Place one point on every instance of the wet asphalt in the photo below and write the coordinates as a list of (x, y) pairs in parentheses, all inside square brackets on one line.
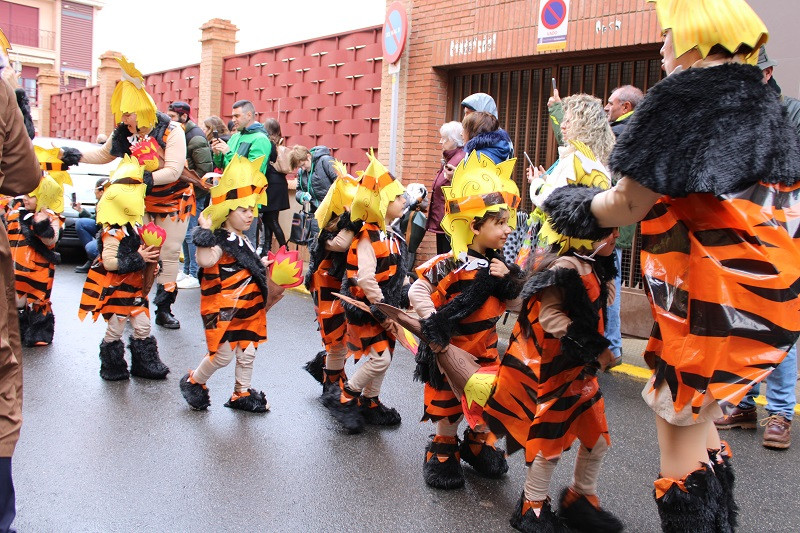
[(131, 456)]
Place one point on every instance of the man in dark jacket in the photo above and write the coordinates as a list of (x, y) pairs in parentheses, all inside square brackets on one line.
[(620, 106), (199, 159)]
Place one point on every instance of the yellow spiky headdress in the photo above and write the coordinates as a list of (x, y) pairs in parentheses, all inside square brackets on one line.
[(339, 197), (241, 185), (479, 186), (376, 190), (5, 46), (131, 97), (123, 199), (49, 194), (589, 172), (51, 164), (702, 24)]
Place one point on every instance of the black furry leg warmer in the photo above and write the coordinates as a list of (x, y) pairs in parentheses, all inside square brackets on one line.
[(145, 362), (695, 507), (112, 361)]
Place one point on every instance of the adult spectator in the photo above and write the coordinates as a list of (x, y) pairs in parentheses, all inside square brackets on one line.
[(315, 173), (482, 134), (214, 124), (620, 106), (452, 141), (19, 174), (484, 103), (87, 227), (781, 396), (198, 158), (277, 187)]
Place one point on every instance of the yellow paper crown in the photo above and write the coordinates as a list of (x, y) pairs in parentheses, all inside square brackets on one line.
[(241, 185), (130, 97), (49, 195), (339, 197), (479, 186), (702, 24), (5, 46), (589, 172), (376, 190), (123, 199), (52, 165)]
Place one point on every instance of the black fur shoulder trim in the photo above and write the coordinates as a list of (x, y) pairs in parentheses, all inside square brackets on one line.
[(570, 212), (71, 157), (245, 257), (204, 238), (43, 229), (128, 258), (347, 224), (316, 253), (31, 233), (708, 130), (25, 107)]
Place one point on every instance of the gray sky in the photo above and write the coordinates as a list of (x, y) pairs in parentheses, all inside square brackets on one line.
[(162, 34)]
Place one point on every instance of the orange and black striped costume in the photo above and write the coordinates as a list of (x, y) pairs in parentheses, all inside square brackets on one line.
[(233, 293), (171, 199), (364, 333), (546, 394), (116, 292), (34, 262), (476, 333)]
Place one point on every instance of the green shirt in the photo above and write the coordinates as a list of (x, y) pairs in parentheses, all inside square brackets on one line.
[(251, 143)]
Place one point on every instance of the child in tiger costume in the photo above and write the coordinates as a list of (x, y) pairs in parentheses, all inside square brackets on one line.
[(711, 166), (34, 223), (233, 287), (374, 273), (461, 295), (324, 277), (114, 287)]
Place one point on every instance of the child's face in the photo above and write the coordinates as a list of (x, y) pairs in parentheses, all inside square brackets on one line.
[(395, 208), (240, 219), (610, 242), (493, 233), (29, 202)]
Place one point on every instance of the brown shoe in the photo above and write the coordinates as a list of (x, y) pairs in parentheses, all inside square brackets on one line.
[(733, 417), (777, 433)]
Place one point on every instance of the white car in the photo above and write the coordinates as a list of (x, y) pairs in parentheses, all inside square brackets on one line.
[(84, 176)]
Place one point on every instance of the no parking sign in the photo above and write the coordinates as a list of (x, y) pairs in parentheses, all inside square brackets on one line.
[(552, 25)]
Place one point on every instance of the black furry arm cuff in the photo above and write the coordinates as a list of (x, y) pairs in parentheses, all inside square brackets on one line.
[(570, 212), (511, 284), (203, 238), (347, 224), (71, 157), (44, 229), (130, 262), (437, 328), (148, 181), (582, 344), (377, 314)]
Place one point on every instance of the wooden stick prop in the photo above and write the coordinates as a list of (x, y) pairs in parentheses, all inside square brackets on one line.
[(393, 327)]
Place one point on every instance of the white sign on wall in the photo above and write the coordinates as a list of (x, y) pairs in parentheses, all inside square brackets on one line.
[(553, 20)]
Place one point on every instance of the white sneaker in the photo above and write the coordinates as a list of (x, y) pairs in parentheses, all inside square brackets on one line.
[(189, 282), (181, 275)]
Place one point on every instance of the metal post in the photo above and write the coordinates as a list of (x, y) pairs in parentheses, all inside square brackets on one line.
[(393, 124)]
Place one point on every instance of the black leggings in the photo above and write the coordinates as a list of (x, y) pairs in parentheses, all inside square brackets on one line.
[(270, 221)]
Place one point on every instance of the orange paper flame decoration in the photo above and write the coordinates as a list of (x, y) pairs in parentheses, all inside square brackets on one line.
[(286, 269), (146, 151), (152, 235)]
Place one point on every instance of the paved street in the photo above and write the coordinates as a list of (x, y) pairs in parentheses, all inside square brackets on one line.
[(131, 456)]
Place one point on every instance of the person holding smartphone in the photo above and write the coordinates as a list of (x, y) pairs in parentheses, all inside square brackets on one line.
[(87, 227), (452, 141)]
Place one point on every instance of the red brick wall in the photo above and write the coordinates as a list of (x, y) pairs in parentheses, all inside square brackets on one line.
[(73, 115), (324, 91), (173, 85)]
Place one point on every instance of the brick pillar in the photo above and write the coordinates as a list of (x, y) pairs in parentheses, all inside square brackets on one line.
[(108, 74), (218, 40), (47, 85)]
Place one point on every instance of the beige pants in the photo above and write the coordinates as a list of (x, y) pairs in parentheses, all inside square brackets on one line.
[(140, 323), (171, 248), (223, 357), (369, 376), (336, 359), (584, 478)]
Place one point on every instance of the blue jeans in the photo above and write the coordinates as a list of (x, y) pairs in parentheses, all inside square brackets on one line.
[(87, 229), (613, 331), (189, 259), (781, 397)]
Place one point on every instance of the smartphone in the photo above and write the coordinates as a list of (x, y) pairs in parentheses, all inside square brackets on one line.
[(74, 198), (215, 134), (528, 158), (555, 88)]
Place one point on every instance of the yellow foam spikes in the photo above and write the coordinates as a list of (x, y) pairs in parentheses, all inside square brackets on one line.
[(130, 96), (249, 183), (375, 191), (339, 197), (123, 199), (5, 46), (49, 194), (52, 165)]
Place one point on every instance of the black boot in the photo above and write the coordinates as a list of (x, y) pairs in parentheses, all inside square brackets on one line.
[(84, 268), (694, 509), (723, 469), (487, 460), (163, 302), (442, 468), (583, 515), (24, 321), (253, 401), (377, 414), (316, 366), (40, 330), (526, 520), (347, 412), (144, 359), (195, 394), (332, 384), (112, 361)]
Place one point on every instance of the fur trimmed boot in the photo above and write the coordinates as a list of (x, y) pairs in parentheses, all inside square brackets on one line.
[(377, 414), (536, 517), (316, 366), (691, 504), (112, 361), (332, 384), (478, 450), (346, 410), (251, 400), (723, 469), (583, 513), (442, 468), (24, 321), (195, 394), (40, 330), (163, 301), (145, 362)]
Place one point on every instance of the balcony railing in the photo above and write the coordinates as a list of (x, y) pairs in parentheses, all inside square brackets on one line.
[(27, 36)]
